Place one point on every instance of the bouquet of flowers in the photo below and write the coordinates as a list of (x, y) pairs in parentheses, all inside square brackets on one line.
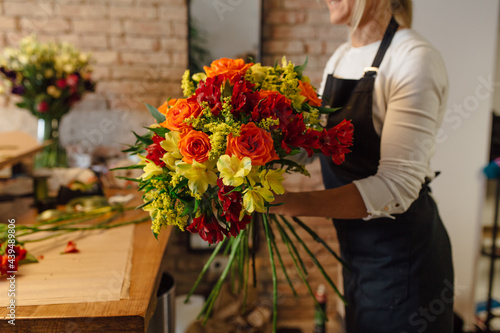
[(49, 78), (214, 161)]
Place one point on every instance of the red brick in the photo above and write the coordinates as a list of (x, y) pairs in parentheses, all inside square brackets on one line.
[(145, 28), (146, 58), (93, 42), (293, 32), (21, 8), (284, 17), (301, 4), (284, 47), (100, 72), (318, 18), (135, 43), (136, 12), (114, 2), (82, 10), (173, 13), (97, 26), (170, 2), (105, 57), (8, 24), (174, 44), (180, 30)]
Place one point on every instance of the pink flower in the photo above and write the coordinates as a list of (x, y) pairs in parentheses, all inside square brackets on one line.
[(42, 107)]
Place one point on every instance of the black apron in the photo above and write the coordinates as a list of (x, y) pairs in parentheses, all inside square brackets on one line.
[(400, 276)]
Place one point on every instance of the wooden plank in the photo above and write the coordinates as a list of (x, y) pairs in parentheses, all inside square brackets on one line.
[(126, 315)]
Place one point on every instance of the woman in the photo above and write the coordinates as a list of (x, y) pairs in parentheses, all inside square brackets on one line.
[(393, 86)]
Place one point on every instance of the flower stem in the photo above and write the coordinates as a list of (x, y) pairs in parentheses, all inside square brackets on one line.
[(205, 268), (319, 240), (273, 267), (314, 259)]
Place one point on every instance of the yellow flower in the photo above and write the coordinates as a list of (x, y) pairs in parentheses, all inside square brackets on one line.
[(233, 170), (151, 170), (171, 141), (199, 175), (254, 199), (253, 177), (170, 159), (53, 91), (199, 77), (187, 85), (272, 180)]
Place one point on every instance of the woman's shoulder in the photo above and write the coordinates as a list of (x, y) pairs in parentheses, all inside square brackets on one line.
[(409, 45)]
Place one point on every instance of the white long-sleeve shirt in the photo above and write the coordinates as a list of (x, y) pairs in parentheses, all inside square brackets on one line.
[(409, 102)]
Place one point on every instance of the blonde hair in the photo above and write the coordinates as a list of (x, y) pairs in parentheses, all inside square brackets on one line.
[(402, 10)]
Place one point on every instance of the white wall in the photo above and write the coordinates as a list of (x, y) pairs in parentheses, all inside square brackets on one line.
[(465, 32)]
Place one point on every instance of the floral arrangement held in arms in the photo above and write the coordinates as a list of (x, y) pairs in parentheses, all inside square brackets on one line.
[(216, 158), (49, 79)]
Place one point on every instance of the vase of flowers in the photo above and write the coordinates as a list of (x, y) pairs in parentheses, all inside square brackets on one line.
[(48, 79)]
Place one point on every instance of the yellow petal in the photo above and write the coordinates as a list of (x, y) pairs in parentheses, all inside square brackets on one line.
[(171, 141), (254, 199), (233, 170), (198, 175), (273, 180), (150, 170)]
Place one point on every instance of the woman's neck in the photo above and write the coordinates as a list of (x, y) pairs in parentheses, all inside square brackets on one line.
[(370, 31)]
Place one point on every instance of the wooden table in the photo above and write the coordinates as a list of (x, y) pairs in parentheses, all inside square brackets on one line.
[(126, 315)]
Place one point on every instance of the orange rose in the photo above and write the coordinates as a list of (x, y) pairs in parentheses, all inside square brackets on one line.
[(194, 145), (229, 67), (167, 105), (175, 115), (307, 90), (253, 142)]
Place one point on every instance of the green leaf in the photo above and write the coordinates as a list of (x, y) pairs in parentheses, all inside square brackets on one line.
[(325, 110), (29, 259), (135, 166), (159, 117), (145, 204), (300, 69), (144, 139), (161, 131), (155, 234), (128, 178)]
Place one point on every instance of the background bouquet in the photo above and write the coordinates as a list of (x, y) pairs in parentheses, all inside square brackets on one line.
[(49, 78), (214, 161)]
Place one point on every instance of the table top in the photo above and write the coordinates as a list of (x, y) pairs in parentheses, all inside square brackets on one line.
[(125, 315)]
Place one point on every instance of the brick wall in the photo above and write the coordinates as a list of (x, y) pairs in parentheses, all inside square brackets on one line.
[(140, 47)]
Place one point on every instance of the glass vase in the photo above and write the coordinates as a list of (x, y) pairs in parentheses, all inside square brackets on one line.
[(53, 154)]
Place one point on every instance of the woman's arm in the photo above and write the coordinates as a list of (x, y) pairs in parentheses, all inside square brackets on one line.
[(344, 202)]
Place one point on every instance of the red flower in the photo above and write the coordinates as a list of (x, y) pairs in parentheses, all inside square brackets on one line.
[(72, 80), (42, 107), (272, 104), (293, 133), (71, 248), (243, 98), (210, 231), (61, 83), (337, 140), (209, 92), (7, 264), (237, 226), (155, 151)]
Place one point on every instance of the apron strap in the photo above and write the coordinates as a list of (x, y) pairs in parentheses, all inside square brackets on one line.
[(384, 45)]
